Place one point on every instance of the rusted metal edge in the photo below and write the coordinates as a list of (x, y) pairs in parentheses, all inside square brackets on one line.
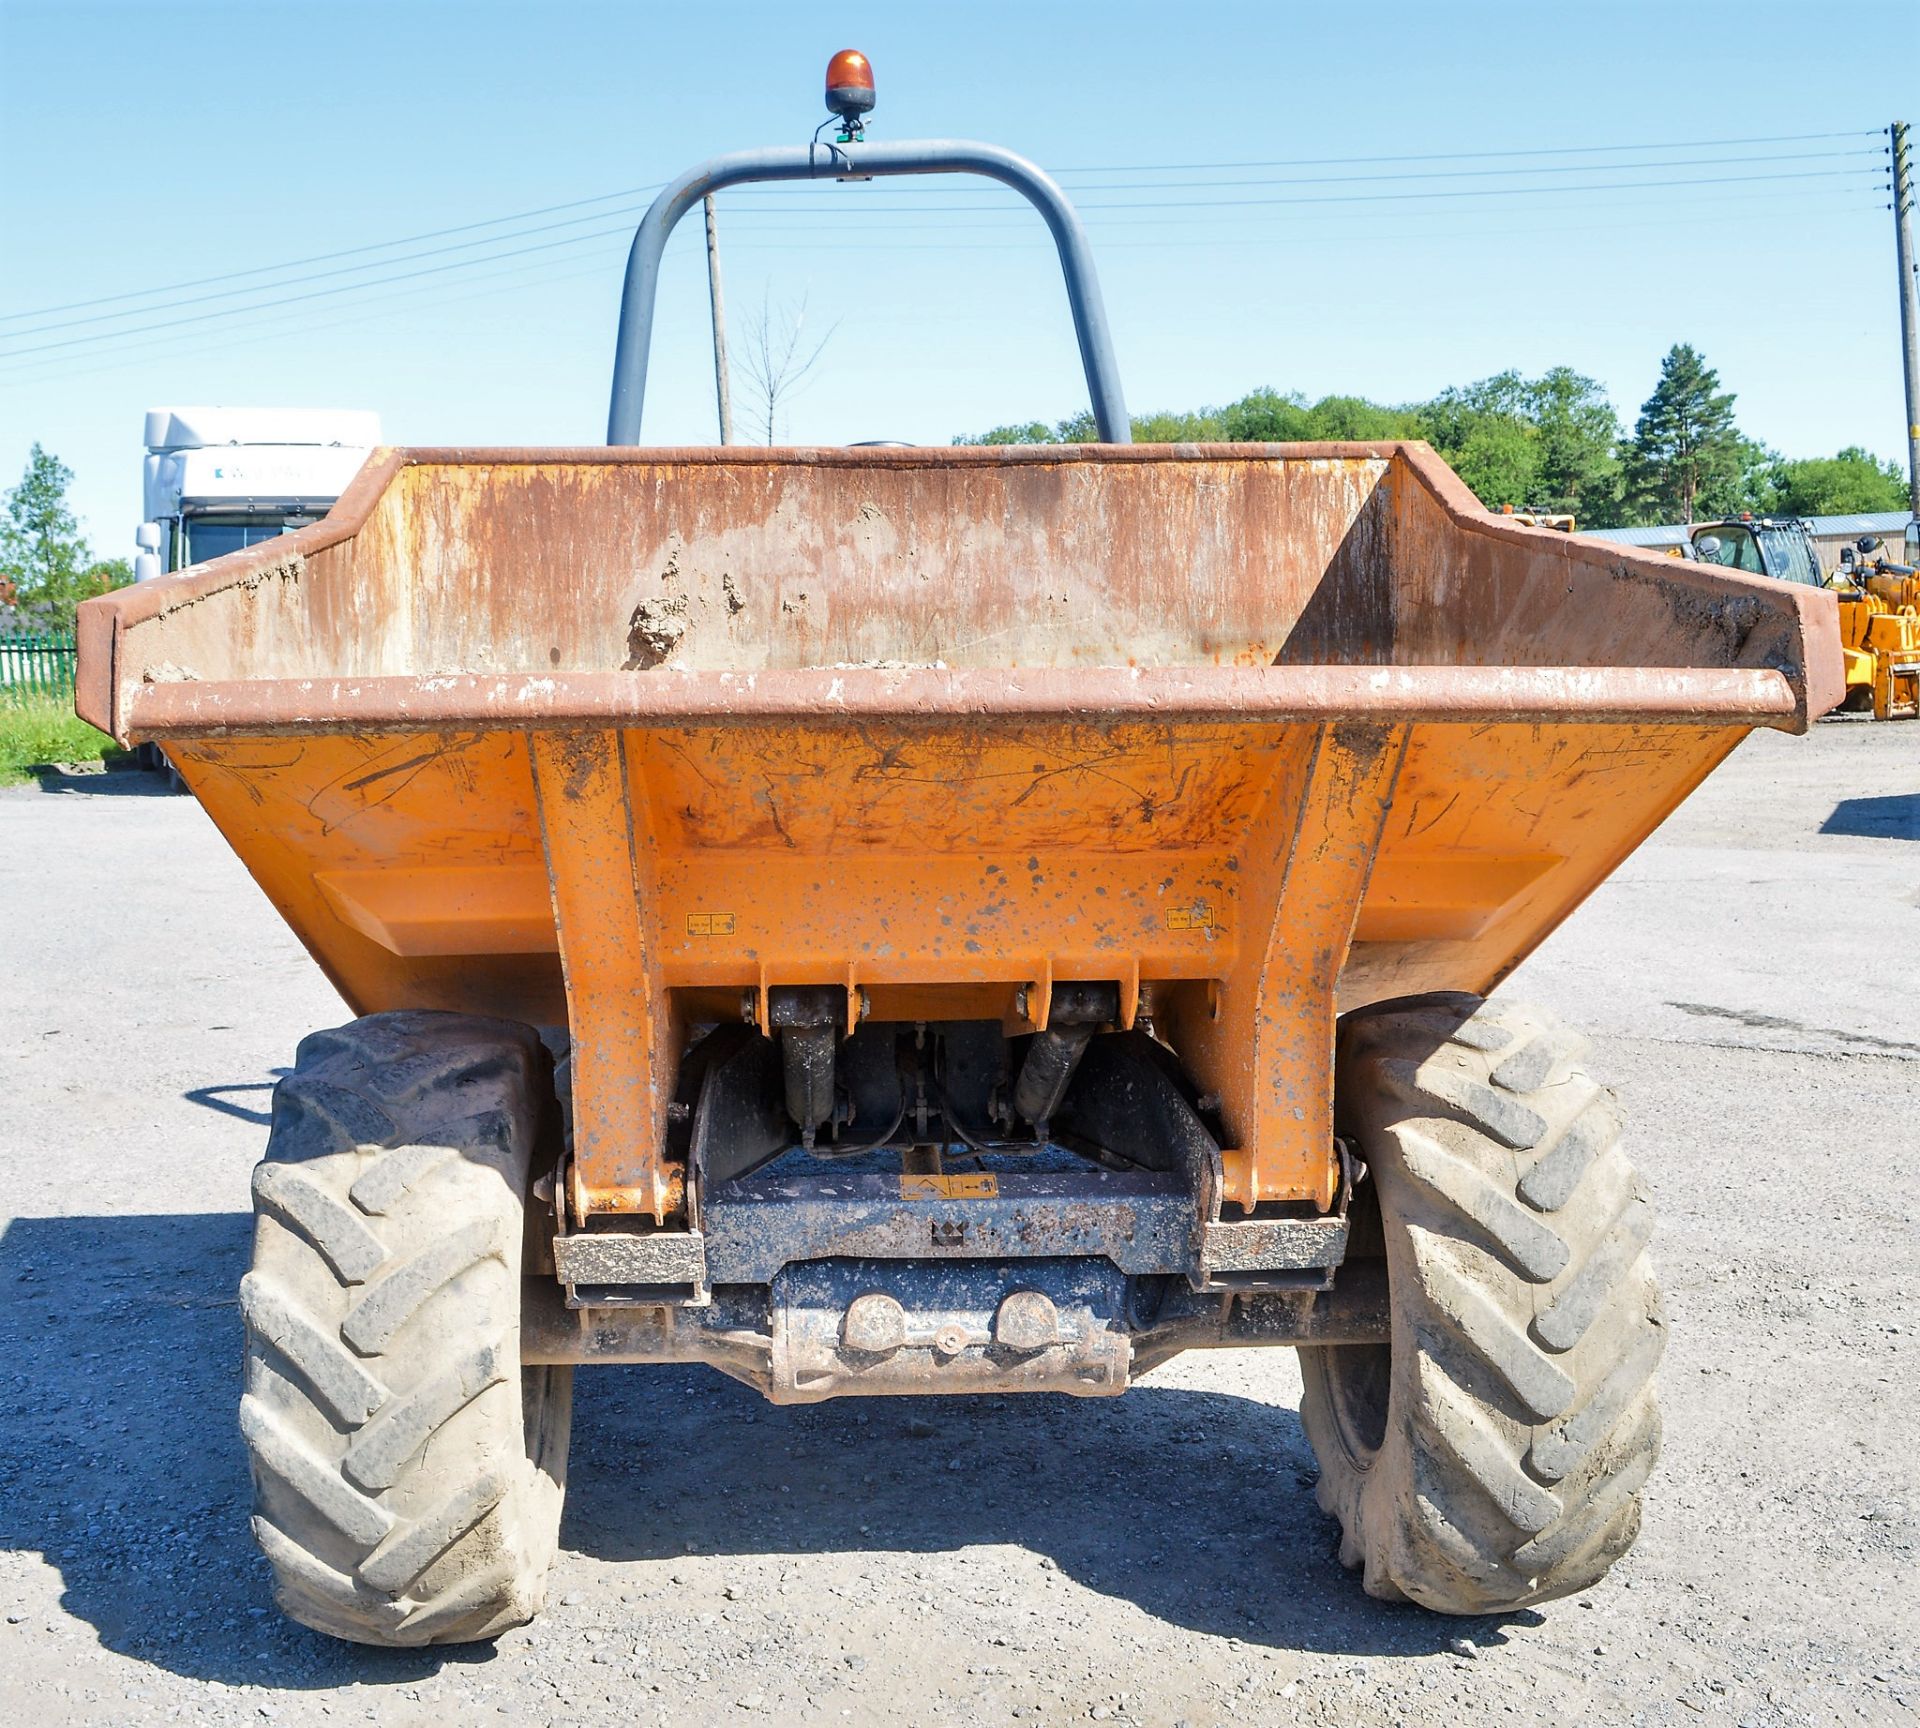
[(97, 695), (101, 622), (1818, 678), (1273, 694)]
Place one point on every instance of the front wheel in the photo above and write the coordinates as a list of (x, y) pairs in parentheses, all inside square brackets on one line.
[(408, 1472), (1492, 1454)]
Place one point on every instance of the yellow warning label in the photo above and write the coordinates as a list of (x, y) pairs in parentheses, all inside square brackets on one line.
[(709, 923), (1198, 916), (980, 1187)]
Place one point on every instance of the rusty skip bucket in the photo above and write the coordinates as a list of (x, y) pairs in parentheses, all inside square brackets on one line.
[(608, 738), (994, 918)]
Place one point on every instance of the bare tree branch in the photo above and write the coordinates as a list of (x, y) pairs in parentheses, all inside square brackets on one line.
[(775, 360)]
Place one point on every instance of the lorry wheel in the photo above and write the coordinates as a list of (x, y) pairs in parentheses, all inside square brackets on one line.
[(408, 1472), (1492, 1454)]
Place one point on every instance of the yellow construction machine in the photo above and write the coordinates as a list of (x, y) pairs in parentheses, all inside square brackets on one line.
[(1880, 626), (1538, 518), (1879, 601)]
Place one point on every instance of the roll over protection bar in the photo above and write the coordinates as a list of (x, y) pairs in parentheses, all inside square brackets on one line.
[(863, 162)]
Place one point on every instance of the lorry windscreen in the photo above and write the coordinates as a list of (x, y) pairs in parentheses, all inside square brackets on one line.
[(214, 537)]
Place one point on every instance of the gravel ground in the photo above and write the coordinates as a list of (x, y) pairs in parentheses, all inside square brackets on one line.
[(1152, 1560)]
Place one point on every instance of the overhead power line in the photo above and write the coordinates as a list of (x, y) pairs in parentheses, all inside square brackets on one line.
[(766, 212), (999, 236), (1205, 204), (128, 295), (786, 203), (328, 257), (1481, 155), (273, 326), (1876, 155), (1101, 212), (276, 329), (106, 336), (321, 275), (1102, 209)]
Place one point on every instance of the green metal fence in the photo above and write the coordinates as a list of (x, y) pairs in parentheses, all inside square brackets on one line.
[(36, 669)]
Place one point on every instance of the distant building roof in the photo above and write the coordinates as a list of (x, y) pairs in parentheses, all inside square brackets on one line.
[(1885, 523), (1638, 536)]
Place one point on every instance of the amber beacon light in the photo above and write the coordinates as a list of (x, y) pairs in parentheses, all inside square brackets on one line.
[(850, 88)]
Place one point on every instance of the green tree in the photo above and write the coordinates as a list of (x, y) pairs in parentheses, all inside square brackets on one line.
[(1550, 443), (45, 565), (1260, 417), (1576, 470), (1354, 417), (1167, 428), (1267, 417), (1544, 443), (1034, 432), (1854, 481), (43, 550), (1075, 429), (1751, 485), (1499, 459), (1686, 455), (1483, 432)]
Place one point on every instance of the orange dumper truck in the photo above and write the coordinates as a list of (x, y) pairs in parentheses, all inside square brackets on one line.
[(892, 921)]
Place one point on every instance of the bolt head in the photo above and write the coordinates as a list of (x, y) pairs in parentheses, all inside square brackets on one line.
[(950, 1341)]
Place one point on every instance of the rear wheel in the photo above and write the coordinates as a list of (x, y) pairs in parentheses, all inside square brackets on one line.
[(1492, 1455), (408, 1472)]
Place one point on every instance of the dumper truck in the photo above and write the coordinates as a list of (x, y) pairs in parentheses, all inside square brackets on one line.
[(906, 921)]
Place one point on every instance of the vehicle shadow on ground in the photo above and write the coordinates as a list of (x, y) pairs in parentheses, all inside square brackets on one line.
[(224, 1100), (1894, 816), (119, 780), (121, 1465), (1196, 1506)]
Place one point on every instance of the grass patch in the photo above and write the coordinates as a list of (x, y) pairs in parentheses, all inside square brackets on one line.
[(35, 731)]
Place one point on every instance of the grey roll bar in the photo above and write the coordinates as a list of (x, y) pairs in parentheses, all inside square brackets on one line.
[(863, 161)]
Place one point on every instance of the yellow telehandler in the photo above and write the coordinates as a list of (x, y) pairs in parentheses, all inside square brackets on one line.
[(1879, 601)]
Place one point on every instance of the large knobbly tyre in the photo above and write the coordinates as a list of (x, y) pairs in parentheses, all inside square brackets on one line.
[(1493, 1454), (408, 1473)]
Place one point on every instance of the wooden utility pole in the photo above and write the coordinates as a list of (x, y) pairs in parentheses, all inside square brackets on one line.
[(1909, 319), (720, 384)]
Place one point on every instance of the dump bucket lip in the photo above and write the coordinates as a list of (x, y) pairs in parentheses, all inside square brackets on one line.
[(110, 698), (936, 695)]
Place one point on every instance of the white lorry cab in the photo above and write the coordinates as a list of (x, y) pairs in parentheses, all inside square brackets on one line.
[(218, 479)]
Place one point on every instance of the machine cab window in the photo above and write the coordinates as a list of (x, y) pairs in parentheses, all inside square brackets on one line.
[(1732, 546), (1781, 550)]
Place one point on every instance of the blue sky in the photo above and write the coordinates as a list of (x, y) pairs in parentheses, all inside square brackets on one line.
[(143, 145)]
